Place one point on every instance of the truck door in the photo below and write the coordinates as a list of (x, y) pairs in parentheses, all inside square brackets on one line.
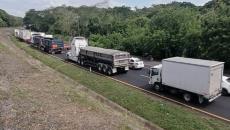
[(154, 75), (73, 48)]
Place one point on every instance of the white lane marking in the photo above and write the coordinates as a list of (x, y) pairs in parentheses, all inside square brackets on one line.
[(144, 76)]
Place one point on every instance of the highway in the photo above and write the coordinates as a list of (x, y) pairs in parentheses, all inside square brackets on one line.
[(220, 106)]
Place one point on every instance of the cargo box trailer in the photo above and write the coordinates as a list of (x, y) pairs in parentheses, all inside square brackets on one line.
[(24, 35), (194, 78)]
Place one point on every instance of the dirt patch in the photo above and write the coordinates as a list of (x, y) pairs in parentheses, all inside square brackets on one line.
[(33, 96)]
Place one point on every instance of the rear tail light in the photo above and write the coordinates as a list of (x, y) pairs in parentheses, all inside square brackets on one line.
[(54, 46)]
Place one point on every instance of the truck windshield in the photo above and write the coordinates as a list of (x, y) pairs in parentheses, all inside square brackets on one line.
[(59, 42), (228, 80), (154, 72)]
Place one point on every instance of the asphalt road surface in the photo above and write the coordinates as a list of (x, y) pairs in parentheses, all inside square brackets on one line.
[(220, 106)]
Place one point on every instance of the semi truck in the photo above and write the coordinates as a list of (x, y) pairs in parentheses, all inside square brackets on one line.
[(195, 79), (35, 34), (106, 61)]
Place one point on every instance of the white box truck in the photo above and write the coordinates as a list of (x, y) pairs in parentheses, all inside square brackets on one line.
[(24, 35), (193, 78)]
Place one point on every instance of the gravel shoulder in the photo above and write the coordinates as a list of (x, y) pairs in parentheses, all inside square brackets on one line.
[(33, 96)]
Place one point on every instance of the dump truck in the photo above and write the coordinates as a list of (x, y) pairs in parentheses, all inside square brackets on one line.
[(106, 61), (193, 78)]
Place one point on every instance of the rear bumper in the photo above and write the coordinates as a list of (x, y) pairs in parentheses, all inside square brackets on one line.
[(57, 50), (215, 97)]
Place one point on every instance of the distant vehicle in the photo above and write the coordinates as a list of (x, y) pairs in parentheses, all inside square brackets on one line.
[(66, 46), (24, 35), (35, 34), (225, 85), (193, 78), (52, 45), (107, 61), (37, 41), (136, 63)]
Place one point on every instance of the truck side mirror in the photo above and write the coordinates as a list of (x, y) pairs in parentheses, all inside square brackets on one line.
[(148, 72)]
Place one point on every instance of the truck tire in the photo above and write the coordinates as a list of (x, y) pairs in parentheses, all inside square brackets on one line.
[(157, 87), (187, 97), (224, 92), (99, 68), (109, 72), (67, 57), (82, 63), (201, 100), (104, 69)]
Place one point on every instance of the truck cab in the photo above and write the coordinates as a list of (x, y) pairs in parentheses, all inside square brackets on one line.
[(76, 44), (155, 76), (52, 45)]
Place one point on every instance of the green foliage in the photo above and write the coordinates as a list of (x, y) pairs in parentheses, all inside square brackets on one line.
[(7, 20), (216, 31), (176, 29)]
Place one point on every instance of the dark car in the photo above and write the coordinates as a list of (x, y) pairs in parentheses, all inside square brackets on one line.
[(52, 45)]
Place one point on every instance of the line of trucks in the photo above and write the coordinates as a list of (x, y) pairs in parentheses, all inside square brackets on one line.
[(195, 79)]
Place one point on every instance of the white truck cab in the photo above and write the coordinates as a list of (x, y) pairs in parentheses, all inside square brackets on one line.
[(155, 75), (76, 44)]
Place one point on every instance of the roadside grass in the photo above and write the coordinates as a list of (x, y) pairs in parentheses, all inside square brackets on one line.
[(1, 46), (166, 115)]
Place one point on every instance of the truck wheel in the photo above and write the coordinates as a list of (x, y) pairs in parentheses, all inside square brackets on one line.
[(99, 68), (104, 69), (201, 100), (224, 92), (125, 71), (82, 63), (187, 97), (67, 58), (157, 87), (109, 72)]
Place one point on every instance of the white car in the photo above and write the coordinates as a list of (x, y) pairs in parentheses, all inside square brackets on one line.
[(225, 85), (136, 63)]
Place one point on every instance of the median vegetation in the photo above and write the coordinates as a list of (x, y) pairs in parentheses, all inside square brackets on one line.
[(166, 115)]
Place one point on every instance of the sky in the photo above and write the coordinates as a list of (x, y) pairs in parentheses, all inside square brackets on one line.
[(19, 7)]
